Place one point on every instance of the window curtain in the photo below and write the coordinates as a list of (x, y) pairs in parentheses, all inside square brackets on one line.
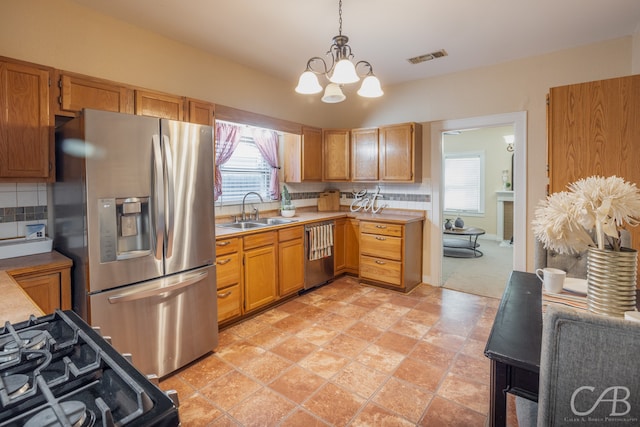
[(227, 139), (267, 143)]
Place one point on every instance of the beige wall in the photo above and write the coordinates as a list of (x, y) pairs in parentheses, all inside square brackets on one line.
[(510, 87), (62, 34), (489, 141)]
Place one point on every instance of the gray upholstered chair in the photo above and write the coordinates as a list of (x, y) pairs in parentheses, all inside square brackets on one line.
[(589, 370), (575, 265)]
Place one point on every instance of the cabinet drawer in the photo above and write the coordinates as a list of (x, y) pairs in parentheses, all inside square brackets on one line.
[(290, 233), (227, 246), (383, 228), (381, 270), (229, 303), (381, 246), (260, 239), (227, 270)]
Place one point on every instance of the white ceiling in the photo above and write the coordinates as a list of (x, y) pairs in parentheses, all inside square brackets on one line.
[(277, 37)]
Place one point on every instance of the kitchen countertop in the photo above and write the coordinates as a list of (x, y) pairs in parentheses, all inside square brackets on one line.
[(309, 217), (16, 305)]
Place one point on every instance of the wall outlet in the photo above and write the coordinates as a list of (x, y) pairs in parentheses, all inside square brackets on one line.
[(34, 231)]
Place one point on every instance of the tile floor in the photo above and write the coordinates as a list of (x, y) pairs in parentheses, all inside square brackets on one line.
[(348, 354)]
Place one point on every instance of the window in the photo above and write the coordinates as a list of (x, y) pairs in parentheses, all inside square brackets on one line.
[(245, 171), (464, 183)]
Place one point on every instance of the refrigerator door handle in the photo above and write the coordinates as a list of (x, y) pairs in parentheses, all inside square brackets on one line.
[(170, 205), (159, 196), (166, 285)]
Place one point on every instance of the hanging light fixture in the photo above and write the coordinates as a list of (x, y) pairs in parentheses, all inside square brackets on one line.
[(342, 71)]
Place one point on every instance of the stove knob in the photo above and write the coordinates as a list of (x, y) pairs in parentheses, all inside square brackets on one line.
[(128, 357), (107, 338), (173, 395), (97, 329)]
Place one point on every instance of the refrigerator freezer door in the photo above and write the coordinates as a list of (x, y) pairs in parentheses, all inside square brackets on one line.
[(189, 215), (119, 162), (165, 323)]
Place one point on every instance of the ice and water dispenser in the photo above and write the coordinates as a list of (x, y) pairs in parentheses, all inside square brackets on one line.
[(125, 228)]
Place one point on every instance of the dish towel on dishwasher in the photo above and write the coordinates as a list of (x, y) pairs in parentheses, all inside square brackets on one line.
[(320, 241)]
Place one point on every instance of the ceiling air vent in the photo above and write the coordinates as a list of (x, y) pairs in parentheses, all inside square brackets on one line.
[(428, 56)]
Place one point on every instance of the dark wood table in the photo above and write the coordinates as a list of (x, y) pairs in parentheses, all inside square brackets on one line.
[(514, 344)]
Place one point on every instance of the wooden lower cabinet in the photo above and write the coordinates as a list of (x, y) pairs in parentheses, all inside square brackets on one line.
[(229, 278), (46, 278), (352, 246), (290, 260), (346, 246), (391, 254), (260, 270), (229, 303)]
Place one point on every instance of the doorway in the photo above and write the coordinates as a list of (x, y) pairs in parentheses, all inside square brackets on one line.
[(438, 131)]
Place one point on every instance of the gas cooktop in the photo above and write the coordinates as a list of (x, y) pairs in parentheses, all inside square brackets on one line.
[(56, 370)]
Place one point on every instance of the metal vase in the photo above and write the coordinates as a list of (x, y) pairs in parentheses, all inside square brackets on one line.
[(611, 281)]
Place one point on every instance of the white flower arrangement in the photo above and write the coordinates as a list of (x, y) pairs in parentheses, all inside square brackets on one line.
[(567, 222)]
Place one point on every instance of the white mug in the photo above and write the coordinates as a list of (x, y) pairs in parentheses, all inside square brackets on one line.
[(552, 278)]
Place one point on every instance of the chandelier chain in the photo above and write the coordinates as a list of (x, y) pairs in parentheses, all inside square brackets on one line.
[(340, 17)]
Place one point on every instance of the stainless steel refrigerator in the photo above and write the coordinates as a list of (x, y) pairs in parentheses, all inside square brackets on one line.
[(132, 205)]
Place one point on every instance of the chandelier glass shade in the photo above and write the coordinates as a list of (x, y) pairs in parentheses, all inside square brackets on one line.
[(340, 71)]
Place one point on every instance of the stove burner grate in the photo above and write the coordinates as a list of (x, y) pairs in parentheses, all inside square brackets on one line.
[(29, 340), (74, 412), (57, 371)]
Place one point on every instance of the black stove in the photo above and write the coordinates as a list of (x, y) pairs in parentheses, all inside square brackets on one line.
[(56, 370)]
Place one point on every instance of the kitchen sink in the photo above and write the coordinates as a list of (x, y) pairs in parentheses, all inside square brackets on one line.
[(256, 223), (242, 225), (273, 221)]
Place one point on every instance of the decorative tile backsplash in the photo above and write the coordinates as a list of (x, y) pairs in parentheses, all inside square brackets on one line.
[(21, 204)]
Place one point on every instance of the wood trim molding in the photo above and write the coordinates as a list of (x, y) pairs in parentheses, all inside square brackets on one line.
[(254, 119)]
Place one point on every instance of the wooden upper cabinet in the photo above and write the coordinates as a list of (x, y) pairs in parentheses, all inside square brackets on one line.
[(400, 157), (26, 126), (335, 150), (78, 92), (594, 129), (303, 155), (311, 154), (201, 112), (158, 104), (364, 154)]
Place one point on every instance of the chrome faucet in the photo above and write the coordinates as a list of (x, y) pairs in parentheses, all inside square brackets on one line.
[(244, 215)]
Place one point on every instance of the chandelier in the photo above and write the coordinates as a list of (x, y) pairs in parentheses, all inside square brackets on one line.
[(342, 71)]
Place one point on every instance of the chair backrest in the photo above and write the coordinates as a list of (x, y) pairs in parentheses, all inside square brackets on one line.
[(589, 370), (575, 265)]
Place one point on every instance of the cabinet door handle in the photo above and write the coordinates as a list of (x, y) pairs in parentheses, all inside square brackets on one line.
[(380, 238), (381, 226), (224, 261), (226, 294), (224, 243), (380, 262)]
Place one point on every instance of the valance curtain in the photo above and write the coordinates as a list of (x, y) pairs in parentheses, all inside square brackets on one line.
[(227, 139), (267, 143)]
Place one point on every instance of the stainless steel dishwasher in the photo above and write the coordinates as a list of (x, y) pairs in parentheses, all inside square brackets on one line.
[(318, 253)]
